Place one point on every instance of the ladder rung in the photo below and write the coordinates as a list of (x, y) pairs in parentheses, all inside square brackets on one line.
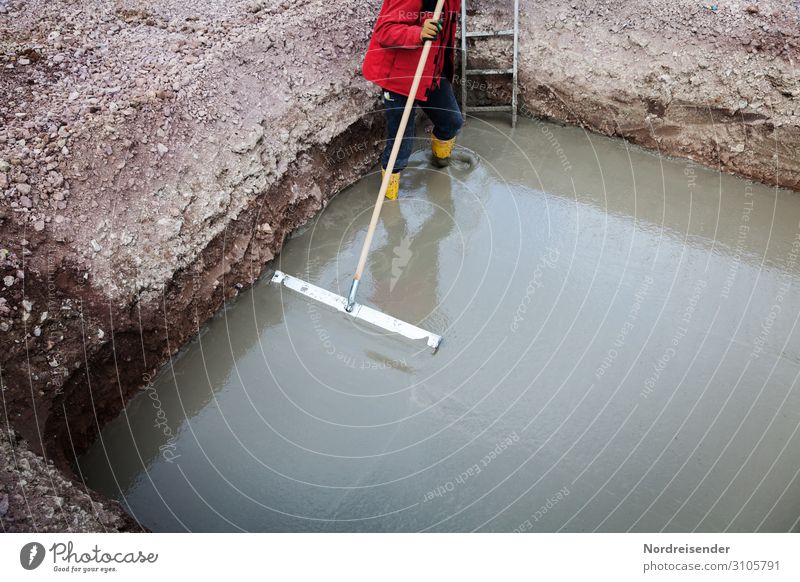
[(489, 71), (490, 33), (489, 108), (513, 72)]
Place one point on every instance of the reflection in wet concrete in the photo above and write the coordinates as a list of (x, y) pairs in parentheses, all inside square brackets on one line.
[(620, 354)]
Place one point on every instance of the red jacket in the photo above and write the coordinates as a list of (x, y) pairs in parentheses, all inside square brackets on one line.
[(395, 47)]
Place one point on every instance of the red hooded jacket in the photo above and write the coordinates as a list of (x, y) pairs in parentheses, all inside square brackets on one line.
[(395, 47)]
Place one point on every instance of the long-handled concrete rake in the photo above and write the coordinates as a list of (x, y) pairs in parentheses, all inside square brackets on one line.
[(348, 305)]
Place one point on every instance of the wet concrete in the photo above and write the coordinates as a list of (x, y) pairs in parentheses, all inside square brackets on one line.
[(620, 354)]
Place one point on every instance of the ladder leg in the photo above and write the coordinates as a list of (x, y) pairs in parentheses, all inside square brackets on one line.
[(464, 59), (514, 77)]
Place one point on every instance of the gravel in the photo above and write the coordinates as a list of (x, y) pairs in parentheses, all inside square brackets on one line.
[(35, 496)]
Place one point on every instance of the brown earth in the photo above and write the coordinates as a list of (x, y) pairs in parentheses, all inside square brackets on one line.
[(718, 86), (154, 157), (36, 496)]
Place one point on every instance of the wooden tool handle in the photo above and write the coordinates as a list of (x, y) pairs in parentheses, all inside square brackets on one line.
[(398, 140)]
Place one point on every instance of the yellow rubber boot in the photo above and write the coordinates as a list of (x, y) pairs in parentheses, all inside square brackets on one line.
[(442, 149), (394, 185)]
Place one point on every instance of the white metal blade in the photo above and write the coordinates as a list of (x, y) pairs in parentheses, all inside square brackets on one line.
[(361, 312)]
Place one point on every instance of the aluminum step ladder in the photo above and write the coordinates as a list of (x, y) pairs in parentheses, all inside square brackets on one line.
[(466, 72)]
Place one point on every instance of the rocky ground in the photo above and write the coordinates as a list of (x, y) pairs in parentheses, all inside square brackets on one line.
[(155, 155), (715, 82), (36, 496), (154, 158)]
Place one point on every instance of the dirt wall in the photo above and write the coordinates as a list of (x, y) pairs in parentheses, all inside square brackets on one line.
[(719, 86)]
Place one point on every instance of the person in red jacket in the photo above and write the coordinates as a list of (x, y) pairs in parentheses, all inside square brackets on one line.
[(394, 51)]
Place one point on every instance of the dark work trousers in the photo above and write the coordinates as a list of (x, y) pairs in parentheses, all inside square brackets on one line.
[(441, 108)]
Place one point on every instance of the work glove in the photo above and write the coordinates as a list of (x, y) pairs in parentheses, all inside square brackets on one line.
[(430, 29)]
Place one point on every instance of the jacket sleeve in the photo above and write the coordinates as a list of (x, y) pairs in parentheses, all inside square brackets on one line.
[(397, 24)]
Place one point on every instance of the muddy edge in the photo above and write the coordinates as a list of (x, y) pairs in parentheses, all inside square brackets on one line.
[(152, 163)]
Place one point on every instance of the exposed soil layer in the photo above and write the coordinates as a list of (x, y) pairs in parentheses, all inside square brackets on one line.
[(154, 160), (155, 155), (719, 86), (37, 496)]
